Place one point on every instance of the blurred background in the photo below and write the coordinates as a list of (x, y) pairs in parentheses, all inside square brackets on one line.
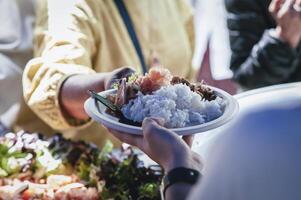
[(212, 51)]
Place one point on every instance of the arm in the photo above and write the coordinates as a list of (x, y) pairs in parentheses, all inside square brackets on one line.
[(73, 92), (179, 191), (258, 58), (65, 44), (55, 83)]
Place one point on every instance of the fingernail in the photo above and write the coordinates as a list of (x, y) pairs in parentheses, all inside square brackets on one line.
[(160, 121)]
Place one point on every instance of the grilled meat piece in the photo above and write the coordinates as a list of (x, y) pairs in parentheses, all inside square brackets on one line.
[(132, 90), (125, 93), (200, 88), (121, 97)]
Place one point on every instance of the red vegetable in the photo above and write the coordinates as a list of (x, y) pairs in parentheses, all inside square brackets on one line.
[(26, 195)]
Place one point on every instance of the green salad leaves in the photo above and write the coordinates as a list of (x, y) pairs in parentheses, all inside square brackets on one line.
[(116, 173)]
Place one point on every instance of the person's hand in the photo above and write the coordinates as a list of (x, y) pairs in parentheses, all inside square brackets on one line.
[(163, 146), (117, 74), (73, 93), (288, 18)]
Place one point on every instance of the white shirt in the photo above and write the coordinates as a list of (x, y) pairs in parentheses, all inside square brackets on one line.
[(257, 157), (16, 33), (211, 28)]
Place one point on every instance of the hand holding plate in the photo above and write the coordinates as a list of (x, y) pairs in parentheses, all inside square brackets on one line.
[(162, 145)]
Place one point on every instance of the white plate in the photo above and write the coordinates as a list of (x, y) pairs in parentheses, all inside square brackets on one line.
[(97, 112)]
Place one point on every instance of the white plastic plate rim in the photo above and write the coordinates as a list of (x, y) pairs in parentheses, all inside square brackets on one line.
[(231, 109)]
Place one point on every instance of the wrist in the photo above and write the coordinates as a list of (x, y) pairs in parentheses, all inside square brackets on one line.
[(292, 39), (73, 93), (187, 159), (183, 176)]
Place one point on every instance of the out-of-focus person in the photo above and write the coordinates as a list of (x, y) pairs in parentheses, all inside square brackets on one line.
[(212, 33), (79, 43), (212, 48), (17, 19), (255, 157), (265, 41)]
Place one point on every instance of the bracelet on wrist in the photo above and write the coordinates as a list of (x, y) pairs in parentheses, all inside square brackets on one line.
[(180, 175)]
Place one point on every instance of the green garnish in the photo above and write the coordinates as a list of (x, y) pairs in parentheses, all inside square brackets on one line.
[(3, 173), (132, 78), (148, 191), (115, 85)]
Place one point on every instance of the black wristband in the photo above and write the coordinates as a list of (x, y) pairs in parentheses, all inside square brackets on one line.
[(180, 175)]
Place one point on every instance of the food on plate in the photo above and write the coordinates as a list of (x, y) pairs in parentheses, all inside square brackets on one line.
[(32, 167), (159, 94)]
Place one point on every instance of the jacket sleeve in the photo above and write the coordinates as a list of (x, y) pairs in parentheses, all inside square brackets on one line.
[(65, 42), (187, 14), (192, 75), (258, 59)]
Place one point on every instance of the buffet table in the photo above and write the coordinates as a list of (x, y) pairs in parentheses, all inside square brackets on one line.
[(248, 101)]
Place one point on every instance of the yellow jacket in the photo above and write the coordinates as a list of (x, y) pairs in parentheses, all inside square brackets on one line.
[(88, 36)]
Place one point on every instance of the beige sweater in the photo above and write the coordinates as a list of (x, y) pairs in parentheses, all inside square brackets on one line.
[(88, 36)]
